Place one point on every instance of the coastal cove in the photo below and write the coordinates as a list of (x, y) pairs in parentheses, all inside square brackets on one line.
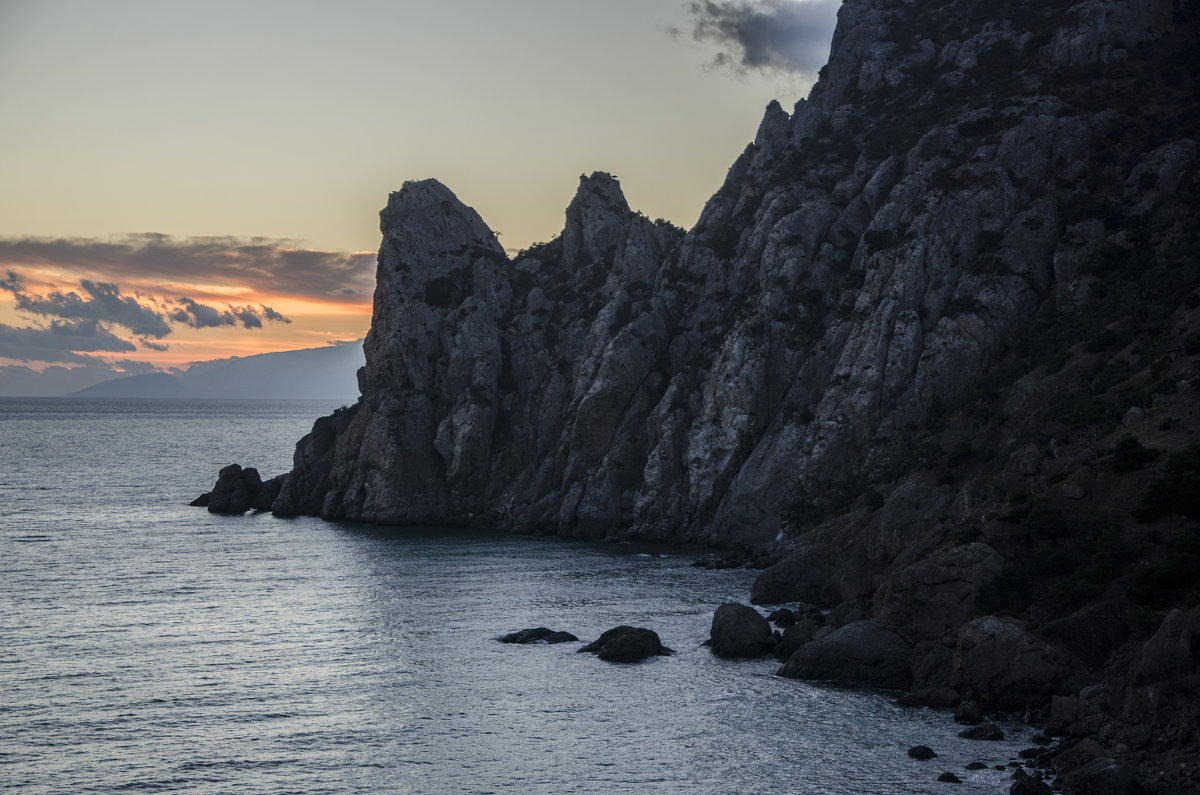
[(150, 645)]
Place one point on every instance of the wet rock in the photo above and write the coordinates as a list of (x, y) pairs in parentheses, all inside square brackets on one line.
[(976, 766), (1025, 784), (740, 631), (794, 637), (862, 653), (782, 617), (984, 731), (627, 644), (949, 778), (921, 752), (538, 635), (969, 713)]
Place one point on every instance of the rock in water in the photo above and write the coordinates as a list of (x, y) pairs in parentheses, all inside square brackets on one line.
[(538, 635), (921, 752), (238, 490), (984, 731), (740, 631), (627, 644)]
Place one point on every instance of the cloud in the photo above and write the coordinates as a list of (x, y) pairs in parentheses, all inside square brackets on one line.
[(12, 283), (65, 341), (271, 314), (103, 302), (767, 35), (84, 323), (269, 267), (197, 315), (152, 345)]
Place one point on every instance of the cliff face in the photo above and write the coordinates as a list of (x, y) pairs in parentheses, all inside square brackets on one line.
[(867, 259)]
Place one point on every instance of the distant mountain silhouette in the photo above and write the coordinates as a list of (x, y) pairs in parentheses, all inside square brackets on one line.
[(328, 373)]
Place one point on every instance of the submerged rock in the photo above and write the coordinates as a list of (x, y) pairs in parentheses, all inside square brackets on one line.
[(538, 635)]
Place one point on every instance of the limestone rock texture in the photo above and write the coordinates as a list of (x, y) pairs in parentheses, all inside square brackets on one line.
[(867, 259), (932, 349)]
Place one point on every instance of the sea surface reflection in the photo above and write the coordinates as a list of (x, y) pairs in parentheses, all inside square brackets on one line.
[(146, 645)]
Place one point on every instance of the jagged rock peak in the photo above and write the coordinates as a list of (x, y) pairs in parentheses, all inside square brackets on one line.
[(595, 218), (428, 216)]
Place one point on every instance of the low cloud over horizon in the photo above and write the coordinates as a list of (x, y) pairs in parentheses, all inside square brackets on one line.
[(88, 321), (766, 35), (208, 264), (81, 301)]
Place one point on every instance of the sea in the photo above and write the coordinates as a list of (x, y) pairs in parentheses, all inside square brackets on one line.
[(146, 645)]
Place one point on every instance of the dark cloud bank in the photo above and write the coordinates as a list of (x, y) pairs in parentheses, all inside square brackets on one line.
[(768, 35)]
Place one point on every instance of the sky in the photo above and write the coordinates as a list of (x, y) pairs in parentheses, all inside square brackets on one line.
[(187, 181)]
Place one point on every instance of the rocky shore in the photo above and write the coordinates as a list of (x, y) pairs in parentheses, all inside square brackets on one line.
[(930, 357)]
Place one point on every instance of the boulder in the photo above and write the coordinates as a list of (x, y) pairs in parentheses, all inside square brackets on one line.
[(538, 635), (809, 574), (794, 637), (949, 778), (1007, 667), (937, 593), (859, 653), (984, 731), (627, 644), (1025, 784), (969, 713), (739, 631), (1166, 677), (783, 617), (921, 752), (1077, 755)]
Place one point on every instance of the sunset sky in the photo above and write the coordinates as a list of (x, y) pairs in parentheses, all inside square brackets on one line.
[(183, 181)]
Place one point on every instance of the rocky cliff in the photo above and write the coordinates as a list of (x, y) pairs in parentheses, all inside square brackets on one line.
[(932, 347)]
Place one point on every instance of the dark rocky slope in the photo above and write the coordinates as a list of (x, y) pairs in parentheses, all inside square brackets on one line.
[(932, 347)]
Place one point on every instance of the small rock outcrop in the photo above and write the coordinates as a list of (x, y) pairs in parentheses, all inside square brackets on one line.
[(740, 631), (238, 490), (538, 635), (921, 752), (627, 644)]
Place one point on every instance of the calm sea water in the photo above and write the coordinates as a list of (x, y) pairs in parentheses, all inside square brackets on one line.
[(147, 645)]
